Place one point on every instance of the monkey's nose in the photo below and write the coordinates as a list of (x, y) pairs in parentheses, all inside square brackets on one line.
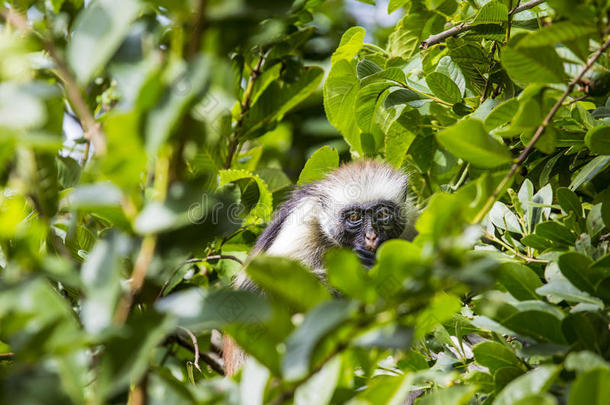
[(370, 241)]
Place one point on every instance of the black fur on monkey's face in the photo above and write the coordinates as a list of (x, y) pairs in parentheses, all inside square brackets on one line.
[(366, 226)]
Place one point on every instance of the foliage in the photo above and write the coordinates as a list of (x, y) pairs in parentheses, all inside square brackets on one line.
[(117, 248)]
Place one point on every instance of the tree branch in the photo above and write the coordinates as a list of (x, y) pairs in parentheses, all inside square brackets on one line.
[(215, 257), (195, 347), (6, 356), (198, 27), (145, 256), (92, 129), (458, 29), (539, 132), (245, 107), (207, 359)]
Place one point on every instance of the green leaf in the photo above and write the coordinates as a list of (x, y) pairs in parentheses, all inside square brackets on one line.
[(448, 67), (569, 201), (351, 43), (532, 65), (583, 330), (127, 356), (386, 390), (536, 381), (537, 399), (346, 274), (89, 196), (254, 378), (556, 232), (520, 281), (128, 158), (492, 12), (597, 140), (529, 114), (340, 93), (561, 31), (538, 320), (396, 260), (594, 221), (394, 5), (102, 280), (321, 162), (468, 140), (318, 323), (288, 281), (454, 395), (165, 116), (501, 114), (366, 68), (589, 171), (441, 309), (385, 337), (280, 97), (503, 218), (198, 309), (494, 355), (472, 60), (264, 80), (98, 32), (319, 389), (536, 242), (370, 98), (578, 268), (391, 74), (443, 87), (591, 387), (585, 361), (566, 291), (264, 207), (410, 31), (21, 107), (398, 138)]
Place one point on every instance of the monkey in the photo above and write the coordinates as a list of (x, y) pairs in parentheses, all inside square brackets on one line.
[(358, 206)]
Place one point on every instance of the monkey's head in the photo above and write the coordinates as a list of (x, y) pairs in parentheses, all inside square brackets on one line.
[(363, 204)]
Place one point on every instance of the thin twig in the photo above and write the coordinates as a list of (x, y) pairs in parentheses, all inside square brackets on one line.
[(525, 6), (197, 260), (577, 99), (512, 250), (147, 251), (92, 129), (207, 359), (245, 107), (539, 132), (441, 36), (195, 347), (215, 257), (488, 81), (458, 29), (7, 356), (509, 20)]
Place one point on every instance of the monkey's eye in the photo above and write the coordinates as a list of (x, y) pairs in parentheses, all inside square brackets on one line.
[(383, 215), (353, 217)]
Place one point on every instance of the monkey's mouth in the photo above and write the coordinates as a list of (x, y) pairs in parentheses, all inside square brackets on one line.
[(366, 256)]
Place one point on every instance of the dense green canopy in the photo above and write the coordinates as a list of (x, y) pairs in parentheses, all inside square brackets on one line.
[(145, 144)]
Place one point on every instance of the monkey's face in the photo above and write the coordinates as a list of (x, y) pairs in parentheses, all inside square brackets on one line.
[(366, 226)]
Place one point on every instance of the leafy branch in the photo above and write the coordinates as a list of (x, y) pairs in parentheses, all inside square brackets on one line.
[(458, 29), (539, 132), (92, 129)]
